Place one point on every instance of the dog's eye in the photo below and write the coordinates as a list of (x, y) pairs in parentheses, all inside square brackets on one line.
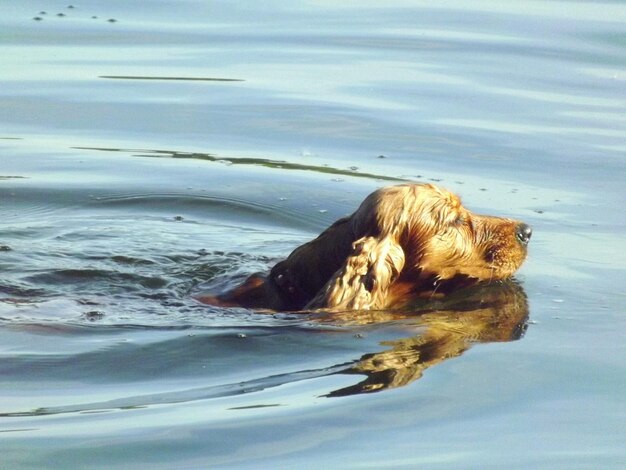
[(460, 220)]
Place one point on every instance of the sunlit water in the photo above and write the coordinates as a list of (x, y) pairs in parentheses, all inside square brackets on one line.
[(185, 145)]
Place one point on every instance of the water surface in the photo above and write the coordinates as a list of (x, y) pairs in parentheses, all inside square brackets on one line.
[(187, 144)]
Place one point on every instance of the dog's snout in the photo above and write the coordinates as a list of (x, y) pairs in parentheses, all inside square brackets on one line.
[(523, 233)]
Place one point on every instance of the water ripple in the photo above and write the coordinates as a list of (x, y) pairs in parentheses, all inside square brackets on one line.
[(264, 162), (184, 396)]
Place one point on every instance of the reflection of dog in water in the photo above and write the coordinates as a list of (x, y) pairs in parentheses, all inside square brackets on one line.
[(483, 314), (406, 241)]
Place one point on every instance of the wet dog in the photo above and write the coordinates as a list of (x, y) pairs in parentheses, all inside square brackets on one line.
[(405, 241)]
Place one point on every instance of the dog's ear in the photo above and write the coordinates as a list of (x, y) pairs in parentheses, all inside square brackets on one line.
[(364, 279)]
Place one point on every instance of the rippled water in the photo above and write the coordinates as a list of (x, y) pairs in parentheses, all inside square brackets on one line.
[(185, 145)]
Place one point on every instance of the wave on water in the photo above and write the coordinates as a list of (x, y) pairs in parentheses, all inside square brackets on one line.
[(264, 162)]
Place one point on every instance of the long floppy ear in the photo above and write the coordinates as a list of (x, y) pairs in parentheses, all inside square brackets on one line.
[(363, 280)]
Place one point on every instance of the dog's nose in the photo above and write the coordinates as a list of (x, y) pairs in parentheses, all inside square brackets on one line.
[(523, 233)]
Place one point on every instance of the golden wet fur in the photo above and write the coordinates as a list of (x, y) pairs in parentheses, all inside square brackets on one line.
[(403, 241)]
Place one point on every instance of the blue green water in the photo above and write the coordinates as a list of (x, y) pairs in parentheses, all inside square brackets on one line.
[(187, 144)]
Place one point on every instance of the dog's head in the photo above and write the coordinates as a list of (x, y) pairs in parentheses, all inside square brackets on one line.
[(440, 237), (422, 237), (451, 241)]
